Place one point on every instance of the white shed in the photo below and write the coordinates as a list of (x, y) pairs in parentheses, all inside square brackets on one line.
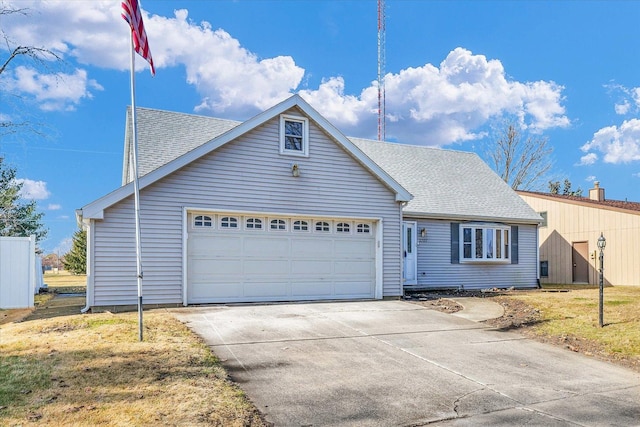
[(18, 275)]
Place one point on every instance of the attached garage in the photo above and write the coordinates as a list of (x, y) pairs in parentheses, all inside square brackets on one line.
[(253, 257), (281, 207)]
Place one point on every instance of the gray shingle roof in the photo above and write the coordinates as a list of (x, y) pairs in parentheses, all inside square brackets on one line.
[(448, 183), (164, 136), (444, 183)]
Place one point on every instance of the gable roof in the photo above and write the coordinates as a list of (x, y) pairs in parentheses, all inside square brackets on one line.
[(614, 205), (185, 156), (185, 131), (448, 184)]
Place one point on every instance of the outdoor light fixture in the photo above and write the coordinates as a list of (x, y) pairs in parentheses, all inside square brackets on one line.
[(295, 170), (602, 242), (423, 232)]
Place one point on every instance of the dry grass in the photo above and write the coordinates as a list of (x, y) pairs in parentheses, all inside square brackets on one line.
[(64, 281), (92, 370), (573, 314)]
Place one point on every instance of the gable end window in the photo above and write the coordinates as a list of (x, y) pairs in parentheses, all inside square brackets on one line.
[(202, 221), (484, 243), (294, 136)]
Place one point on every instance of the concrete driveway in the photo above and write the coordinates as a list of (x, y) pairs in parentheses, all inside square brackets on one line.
[(393, 363)]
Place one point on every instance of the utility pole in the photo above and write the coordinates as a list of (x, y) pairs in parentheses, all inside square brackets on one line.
[(382, 131)]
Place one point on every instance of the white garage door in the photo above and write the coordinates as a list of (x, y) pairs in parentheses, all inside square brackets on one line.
[(244, 258)]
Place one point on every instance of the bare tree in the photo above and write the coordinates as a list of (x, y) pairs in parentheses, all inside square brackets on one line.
[(522, 161), (39, 56), (567, 189)]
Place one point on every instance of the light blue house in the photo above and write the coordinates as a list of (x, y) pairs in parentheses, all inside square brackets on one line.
[(283, 207)]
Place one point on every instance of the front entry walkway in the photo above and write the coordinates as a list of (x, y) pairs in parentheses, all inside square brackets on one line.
[(383, 363)]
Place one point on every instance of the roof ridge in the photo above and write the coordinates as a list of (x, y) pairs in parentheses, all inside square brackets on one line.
[(184, 114), (405, 144), (621, 204)]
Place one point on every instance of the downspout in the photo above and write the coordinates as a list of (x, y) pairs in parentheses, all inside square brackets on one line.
[(89, 285), (538, 256)]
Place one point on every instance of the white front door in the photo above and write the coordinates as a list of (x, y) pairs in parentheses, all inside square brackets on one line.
[(410, 253)]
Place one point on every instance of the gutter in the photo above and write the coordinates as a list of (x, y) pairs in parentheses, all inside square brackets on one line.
[(456, 217)]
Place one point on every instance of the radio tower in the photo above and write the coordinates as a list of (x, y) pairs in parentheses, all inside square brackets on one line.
[(382, 131)]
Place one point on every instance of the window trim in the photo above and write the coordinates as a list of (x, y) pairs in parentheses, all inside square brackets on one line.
[(544, 269), (545, 216), (305, 135), (485, 230)]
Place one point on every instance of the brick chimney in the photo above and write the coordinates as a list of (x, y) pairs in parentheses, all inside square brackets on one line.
[(596, 193)]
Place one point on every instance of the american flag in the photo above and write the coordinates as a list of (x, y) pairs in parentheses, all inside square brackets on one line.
[(131, 14)]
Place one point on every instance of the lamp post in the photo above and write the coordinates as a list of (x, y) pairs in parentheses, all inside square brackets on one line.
[(602, 242)]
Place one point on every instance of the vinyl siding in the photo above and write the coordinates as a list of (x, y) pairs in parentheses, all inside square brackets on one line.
[(435, 269), (568, 223), (247, 174)]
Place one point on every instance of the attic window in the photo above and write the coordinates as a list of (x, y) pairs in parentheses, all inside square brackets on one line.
[(294, 136)]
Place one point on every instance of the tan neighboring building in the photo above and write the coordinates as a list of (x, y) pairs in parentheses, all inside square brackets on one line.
[(570, 230)]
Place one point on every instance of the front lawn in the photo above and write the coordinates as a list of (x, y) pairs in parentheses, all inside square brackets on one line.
[(569, 316), (92, 370)]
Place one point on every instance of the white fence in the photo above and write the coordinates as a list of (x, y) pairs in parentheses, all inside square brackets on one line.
[(20, 272)]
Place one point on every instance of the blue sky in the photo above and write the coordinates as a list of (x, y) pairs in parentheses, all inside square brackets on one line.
[(565, 70)]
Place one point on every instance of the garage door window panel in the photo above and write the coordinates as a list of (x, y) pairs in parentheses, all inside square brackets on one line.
[(300, 225), (363, 228), (229, 222), (278, 225), (202, 221), (253, 224), (323, 227), (343, 227)]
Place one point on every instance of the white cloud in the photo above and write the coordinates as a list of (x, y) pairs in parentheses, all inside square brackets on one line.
[(623, 108), (52, 92), (34, 190), (590, 178), (628, 98), (436, 106), (433, 105), (588, 159), (618, 144), (54, 207)]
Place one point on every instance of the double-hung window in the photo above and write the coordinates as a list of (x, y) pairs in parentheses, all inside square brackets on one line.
[(484, 243), (294, 135)]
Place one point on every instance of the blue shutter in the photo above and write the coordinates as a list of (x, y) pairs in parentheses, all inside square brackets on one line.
[(514, 244), (455, 243)]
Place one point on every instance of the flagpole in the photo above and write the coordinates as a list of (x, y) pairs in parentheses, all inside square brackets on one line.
[(136, 188)]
